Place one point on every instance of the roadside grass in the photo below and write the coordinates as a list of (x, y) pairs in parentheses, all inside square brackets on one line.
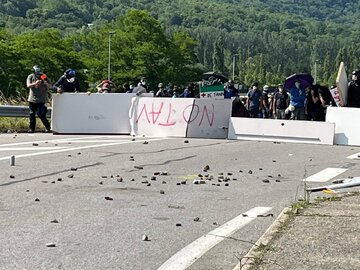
[(296, 209)]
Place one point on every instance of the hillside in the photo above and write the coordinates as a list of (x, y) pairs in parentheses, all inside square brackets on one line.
[(272, 38)]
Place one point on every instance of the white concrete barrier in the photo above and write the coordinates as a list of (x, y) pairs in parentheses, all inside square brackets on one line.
[(210, 119), (180, 117), (347, 125), (79, 113), (160, 117), (281, 130)]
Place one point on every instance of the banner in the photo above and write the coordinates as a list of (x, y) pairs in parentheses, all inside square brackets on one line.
[(342, 84), (182, 117)]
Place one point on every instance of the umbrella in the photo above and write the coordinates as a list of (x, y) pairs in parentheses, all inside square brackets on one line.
[(214, 77), (305, 80)]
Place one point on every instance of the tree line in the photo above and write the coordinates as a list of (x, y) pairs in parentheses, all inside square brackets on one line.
[(268, 40)]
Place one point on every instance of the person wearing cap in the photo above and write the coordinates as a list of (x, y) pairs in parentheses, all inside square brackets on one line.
[(38, 84), (67, 83), (281, 102), (254, 101), (353, 99), (230, 90), (297, 101)]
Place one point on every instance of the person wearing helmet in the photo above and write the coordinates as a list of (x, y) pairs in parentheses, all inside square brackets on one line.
[(38, 84), (353, 99), (67, 83), (230, 90)]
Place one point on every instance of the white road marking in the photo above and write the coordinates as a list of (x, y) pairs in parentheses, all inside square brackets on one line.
[(96, 141), (55, 141), (78, 148), (37, 148), (325, 175), (354, 156), (191, 253)]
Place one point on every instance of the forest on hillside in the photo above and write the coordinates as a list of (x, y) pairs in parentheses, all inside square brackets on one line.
[(269, 40)]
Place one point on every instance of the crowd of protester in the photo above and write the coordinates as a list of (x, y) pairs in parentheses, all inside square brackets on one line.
[(299, 102)]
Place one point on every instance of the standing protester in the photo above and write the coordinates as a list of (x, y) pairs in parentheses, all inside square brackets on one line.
[(265, 102), (161, 92), (314, 107), (105, 86), (230, 90), (254, 101), (189, 91), (353, 99), (67, 83), (297, 101), (280, 103), (38, 84)]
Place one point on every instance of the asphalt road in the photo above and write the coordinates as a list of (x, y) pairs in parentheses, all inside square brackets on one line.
[(95, 233)]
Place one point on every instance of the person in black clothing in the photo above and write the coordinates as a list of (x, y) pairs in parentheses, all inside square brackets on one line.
[(67, 83), (353, 99), (280, 102), (314, 107)]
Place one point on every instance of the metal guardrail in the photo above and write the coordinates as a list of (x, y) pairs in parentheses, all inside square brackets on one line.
[(17, 111)]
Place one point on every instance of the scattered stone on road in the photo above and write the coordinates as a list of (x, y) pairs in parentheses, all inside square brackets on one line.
[(178, 225), (120, 179), (153, 178), (59, 179), (70, 176), (12, 176), (163, 182), (145, 142), (156, 173), (73, 169), (164, 173), (50, 245), (250, 172), (162, 192), (101, 183), (266, 181), (226, 184), (37, 200), (277, 181), (183, 182), (54, 221), (199, 182), (139, 167), (35, 144), (108, 198), (186, 141), (197, 219), (145, 237), (206, 168)]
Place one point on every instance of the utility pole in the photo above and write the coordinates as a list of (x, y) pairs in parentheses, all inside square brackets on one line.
[(315, 76), (233, 71), (109, 64)]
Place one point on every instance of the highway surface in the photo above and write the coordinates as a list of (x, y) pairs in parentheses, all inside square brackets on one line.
[(89, 202)]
